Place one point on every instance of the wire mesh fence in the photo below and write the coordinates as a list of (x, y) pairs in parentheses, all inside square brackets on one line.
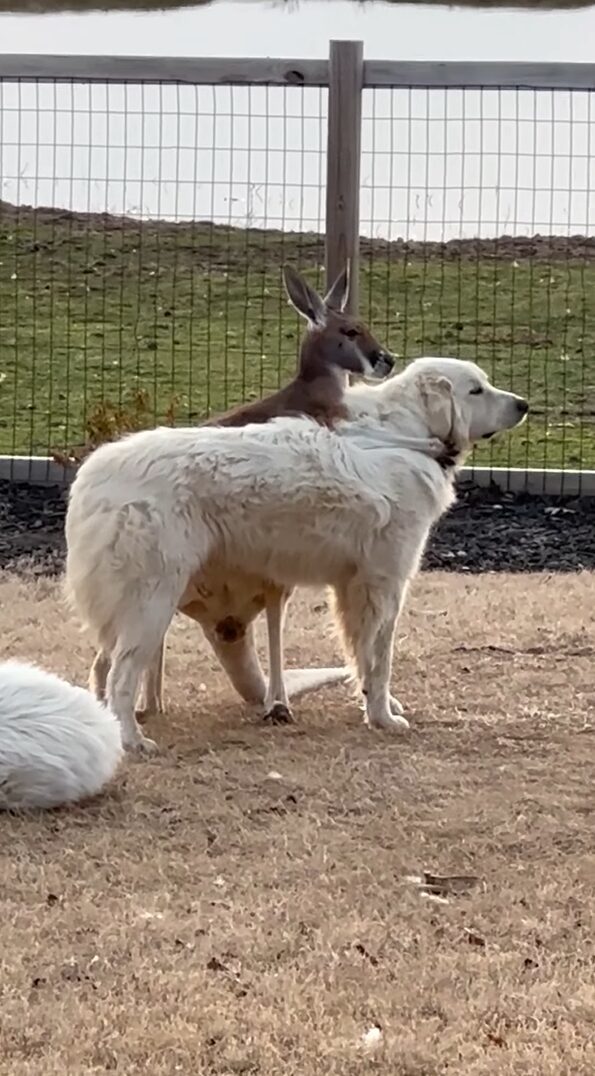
[(484, 198), (143, 230), (144, 226)]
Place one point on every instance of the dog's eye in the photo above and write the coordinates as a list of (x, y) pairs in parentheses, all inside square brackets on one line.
[(477, 391), (351, 333)]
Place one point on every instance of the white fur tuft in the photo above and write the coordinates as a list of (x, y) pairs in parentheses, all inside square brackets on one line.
[(58, 744)]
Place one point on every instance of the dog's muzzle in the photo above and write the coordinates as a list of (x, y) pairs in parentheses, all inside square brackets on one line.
[(522, 408), (382, 363)]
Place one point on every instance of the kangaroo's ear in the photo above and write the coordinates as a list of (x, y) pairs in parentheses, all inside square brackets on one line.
[(303, 298), (445, 417), (337, 296)]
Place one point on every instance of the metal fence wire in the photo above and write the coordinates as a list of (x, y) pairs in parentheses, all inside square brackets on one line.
[(144, 227), (143, 230), (480, 204)]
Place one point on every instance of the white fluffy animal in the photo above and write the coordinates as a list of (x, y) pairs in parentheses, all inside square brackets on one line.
[(288, 502), (58, 744)]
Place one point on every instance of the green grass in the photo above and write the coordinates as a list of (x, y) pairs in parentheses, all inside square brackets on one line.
[(94, 308)]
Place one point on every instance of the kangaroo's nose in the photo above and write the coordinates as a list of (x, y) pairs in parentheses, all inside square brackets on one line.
[(383, 359), (522, 406)]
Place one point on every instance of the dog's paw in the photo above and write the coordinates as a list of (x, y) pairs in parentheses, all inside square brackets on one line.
[(278, 714), (395, 706), (387, 720)]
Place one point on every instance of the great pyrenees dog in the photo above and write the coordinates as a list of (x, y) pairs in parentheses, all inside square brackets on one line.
[(289, 502), (58, 744)]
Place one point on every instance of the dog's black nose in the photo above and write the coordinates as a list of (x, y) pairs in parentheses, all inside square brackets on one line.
[(523, 406)]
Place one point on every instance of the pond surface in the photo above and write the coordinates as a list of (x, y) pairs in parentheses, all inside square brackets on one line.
[(388, 30)]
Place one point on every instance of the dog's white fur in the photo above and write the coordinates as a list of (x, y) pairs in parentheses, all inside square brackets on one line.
[(58, 744), (289, 502)]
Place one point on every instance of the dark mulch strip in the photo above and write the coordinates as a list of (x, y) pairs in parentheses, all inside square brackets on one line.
[(485, 531), (32, 527), (488, 531)]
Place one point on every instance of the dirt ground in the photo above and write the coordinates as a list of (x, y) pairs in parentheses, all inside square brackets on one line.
[(247, 903)]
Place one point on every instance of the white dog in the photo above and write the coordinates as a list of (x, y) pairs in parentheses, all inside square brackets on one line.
[(58, 744), (288, 502)]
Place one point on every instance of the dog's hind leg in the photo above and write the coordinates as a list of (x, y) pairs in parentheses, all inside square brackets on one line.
[(122, 684), (137, 642), (151, 691), (99, 674)]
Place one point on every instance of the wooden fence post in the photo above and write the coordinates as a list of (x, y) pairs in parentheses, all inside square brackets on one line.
[(346, 70)]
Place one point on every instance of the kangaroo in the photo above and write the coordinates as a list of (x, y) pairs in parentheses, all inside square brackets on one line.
[(225, 601)]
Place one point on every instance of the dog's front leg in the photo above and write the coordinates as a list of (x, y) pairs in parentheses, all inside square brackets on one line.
[(382, 709), (367, 616)]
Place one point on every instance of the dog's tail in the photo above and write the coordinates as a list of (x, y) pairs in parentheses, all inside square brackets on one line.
[(112, 552), (58, 744)]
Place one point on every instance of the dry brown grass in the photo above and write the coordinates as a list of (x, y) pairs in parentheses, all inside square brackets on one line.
[(207, 917)]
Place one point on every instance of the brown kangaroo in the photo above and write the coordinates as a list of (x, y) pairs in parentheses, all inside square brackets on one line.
[(225, 601)]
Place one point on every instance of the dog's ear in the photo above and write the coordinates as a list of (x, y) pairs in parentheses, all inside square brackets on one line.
[(444, 415)]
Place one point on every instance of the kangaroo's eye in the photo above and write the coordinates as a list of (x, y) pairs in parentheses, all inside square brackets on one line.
[(477, 391), (351, 333)]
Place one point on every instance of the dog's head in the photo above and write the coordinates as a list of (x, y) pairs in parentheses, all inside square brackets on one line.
[(458, 403)]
